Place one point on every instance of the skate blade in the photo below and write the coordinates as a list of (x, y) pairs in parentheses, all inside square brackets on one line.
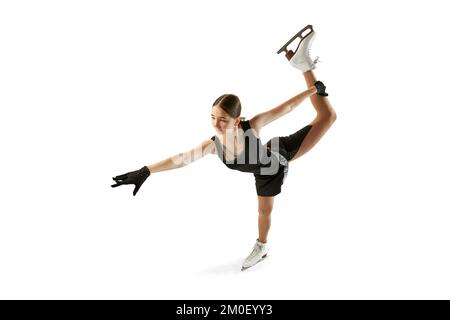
[(262, 258), (299, 34)]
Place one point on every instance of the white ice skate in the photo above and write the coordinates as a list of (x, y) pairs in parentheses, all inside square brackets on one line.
[(301, 59), (258, 254)]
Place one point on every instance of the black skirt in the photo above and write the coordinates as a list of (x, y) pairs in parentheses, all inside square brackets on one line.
[(270, 185)]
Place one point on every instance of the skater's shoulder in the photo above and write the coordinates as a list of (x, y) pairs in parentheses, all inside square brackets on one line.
[(245, 125), (249, 125)]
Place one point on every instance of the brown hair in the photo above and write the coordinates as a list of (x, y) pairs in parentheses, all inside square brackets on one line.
[(231, 104)]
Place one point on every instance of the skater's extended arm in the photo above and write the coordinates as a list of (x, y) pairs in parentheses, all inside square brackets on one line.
[(179, 160), (264, 118), (184, 158)]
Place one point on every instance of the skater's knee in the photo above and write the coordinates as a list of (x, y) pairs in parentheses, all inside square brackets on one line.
[(328, 116), (265, 205), (265, 211), (325, 119), (332, 116)]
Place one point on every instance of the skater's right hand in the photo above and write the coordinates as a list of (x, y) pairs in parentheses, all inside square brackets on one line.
[(137, 178)]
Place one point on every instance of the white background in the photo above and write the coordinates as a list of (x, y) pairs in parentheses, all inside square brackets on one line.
[(93, 89)]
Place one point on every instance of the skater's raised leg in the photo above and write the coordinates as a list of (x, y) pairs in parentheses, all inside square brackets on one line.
[(325, 113), (325, 117)]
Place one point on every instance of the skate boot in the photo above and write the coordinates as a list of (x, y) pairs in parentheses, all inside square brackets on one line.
[(301, 59), (258, 254)]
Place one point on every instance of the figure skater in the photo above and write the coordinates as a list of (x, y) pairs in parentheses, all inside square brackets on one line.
[(238, 145)]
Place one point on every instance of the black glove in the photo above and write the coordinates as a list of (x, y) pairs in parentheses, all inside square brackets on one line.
[(137, 178), (320, 88)]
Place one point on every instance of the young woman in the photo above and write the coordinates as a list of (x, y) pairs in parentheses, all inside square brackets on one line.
[(238, 145)]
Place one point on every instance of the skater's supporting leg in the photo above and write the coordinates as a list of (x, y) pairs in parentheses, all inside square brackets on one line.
[(323, 121), (265, 206)]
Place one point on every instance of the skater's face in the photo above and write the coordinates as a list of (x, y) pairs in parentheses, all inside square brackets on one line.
[(221, 121)]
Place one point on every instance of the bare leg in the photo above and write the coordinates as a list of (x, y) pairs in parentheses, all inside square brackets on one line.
[(265, 206), (324, 119)]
